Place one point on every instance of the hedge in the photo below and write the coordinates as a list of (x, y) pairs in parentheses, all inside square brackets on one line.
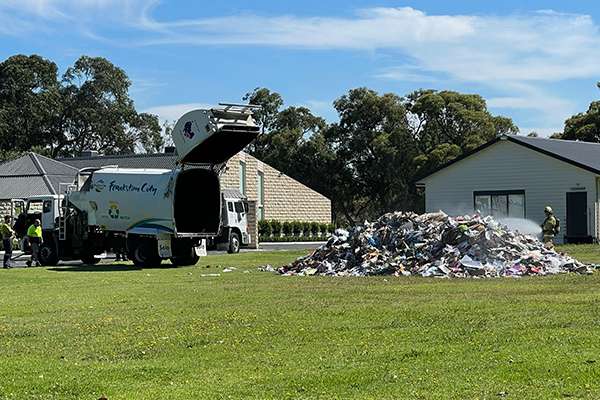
[(293, 229)]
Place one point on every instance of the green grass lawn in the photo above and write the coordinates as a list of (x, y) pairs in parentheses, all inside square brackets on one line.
[(121, 332)]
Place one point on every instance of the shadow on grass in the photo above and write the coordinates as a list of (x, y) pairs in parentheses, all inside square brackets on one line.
[(107, 268)]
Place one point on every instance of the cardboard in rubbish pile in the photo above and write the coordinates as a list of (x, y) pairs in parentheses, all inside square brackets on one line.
[(434, 245)]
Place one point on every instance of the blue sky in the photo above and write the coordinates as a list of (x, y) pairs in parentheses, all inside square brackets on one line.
[(536, 62)]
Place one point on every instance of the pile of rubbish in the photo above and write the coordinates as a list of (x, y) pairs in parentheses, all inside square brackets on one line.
[(435, 245)]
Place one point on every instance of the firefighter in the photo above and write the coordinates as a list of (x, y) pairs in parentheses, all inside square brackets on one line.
[(548, 228)]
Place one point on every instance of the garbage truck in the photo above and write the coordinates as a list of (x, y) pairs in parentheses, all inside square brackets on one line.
[(151, 214)]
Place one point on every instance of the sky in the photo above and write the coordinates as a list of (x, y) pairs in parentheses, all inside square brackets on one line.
[(536, 62)]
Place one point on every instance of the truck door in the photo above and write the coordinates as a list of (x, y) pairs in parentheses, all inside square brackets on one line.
[(44, 209), (48, 215), (241, 217)]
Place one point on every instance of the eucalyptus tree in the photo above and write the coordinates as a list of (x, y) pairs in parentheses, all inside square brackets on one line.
[(87, 108), (99, 113), (375, 148), (584, 126), (30, 103), (265, 117), (446, 124)]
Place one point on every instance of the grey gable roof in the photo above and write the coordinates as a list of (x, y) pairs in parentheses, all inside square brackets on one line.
[(33, 174), (585, 155), (159, 161)]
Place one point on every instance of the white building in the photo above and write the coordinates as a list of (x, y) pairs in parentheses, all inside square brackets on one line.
[(517, 176)]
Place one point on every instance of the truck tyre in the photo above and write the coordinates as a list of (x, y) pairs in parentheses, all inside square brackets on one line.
[(47, 255), (90, 259), (191, 258), (144, 253), (234, 243)]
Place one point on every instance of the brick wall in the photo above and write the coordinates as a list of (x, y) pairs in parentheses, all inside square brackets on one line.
[(284, 198), (253, 224), (5, 209), (8, 208)]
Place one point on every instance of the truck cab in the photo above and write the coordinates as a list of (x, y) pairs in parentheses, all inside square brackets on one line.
[(234, 218), (44, 208)]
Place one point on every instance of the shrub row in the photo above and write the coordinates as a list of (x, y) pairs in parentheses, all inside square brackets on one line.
[(262, 239), (275, 228)]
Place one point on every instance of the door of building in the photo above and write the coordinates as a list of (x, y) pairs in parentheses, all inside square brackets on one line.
[(576, 217)]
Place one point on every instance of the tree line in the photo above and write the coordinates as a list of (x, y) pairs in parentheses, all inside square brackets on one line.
[(86, 108), (364, 163)]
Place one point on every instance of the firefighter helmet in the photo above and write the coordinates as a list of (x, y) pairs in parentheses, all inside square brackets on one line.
[(548, 209)]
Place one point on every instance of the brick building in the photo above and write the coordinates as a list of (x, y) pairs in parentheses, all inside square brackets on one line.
[(277, 196)]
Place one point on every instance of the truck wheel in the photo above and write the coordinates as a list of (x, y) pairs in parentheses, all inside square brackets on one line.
[(190, 259), (90, 259), (47, 255), (144, 253), (234, 243)]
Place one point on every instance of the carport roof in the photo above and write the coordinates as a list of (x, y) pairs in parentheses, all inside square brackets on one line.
[(585, 155)]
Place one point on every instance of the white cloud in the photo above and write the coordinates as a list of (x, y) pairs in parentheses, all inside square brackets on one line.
[(79, 16), (543, 46), (371, 29), (531, 100), (538, 46), (513, 54), (553, 110), (532, 47), (408, 73)]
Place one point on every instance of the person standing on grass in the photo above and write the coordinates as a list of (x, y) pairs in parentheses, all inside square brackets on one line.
[(7, 240), (34, 237), (548, 227)]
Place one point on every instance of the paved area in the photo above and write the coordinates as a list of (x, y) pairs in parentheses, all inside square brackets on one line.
[(19, 259)]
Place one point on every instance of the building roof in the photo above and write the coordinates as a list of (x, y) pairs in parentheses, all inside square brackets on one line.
[(585, 155), (159, 161), (33, 174)]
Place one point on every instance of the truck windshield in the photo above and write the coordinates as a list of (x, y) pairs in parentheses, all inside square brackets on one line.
[(34, 206), (239, 207)]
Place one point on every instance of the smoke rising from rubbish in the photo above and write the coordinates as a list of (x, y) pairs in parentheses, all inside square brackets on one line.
[(524, 226)]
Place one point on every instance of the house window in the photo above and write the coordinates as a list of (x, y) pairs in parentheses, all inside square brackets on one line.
[(260, 181), (501, 204), (242, 178)]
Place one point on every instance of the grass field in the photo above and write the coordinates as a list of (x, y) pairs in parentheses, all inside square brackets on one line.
[(120, 332)]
